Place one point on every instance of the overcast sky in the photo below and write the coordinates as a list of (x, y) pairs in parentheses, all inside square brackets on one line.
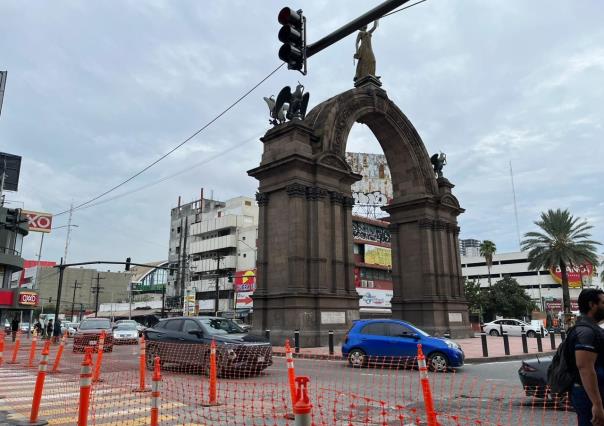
[(98, 90)]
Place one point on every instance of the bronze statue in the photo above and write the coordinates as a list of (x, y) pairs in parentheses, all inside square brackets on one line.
[(288, 105), (364, 53), (438, 162), (277, 117)]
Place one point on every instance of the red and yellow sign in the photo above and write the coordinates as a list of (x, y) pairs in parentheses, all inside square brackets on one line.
[(29, 298), (245, 280), (38, 221), (576, 274)]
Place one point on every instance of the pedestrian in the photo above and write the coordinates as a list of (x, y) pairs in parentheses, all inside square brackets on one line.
[(49, 329), (586, 344), (56, 333), (14, 326), (38, 328)]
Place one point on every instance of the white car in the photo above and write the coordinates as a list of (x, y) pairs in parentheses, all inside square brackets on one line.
[(513, 327), (125, 333)]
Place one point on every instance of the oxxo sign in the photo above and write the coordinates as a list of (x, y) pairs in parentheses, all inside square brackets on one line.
[(38, 221), (29, 299)]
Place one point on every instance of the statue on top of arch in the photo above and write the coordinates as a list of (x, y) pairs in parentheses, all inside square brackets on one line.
[(364, 53), (438, 162)]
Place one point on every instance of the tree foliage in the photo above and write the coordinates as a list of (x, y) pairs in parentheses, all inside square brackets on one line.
[(487, 250), (474, 296), (508, 299)]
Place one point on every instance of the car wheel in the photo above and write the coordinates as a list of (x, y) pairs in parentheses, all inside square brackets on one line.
[(494, 332), (357, 358), (438, 361), (531, 334)]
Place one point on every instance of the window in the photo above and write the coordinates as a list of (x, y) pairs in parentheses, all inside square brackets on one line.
[(247, 203), (244, 255), (398, 330), (178, 230), (173, 325), (375, 329), (381, 174), (160, 325), (191, 325)]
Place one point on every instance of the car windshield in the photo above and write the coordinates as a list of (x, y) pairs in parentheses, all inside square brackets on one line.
[(126, 326), (221, 326), (95, 324)]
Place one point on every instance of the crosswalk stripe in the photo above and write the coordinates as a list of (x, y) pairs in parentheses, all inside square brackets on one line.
[(139, 421), (57, 395), (103, 398), (106, 416), (13, 389)]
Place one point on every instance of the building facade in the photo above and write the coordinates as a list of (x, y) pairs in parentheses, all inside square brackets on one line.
[(469, 247), (220, 246), (543, 286)]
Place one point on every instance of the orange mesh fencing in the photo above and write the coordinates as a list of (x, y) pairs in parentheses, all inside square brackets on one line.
[(253, 388)]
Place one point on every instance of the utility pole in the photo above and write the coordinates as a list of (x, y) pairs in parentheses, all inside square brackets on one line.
[(59, 290), (217, 299), (75, 287), (68, 232), (97, 291)]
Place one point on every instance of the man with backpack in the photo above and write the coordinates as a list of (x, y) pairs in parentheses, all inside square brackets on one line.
[(585, 359)]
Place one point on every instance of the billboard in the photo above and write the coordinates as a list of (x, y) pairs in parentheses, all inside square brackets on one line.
[(577, 275), (38, 221), (27, 276), (376, 255), (245, 280), (10, 165), (374, 297)]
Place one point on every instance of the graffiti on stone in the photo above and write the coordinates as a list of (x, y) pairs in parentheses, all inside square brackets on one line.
[(375, 198), (367, 232)]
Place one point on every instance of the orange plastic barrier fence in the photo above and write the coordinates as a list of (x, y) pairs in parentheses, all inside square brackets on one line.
[(155, 392), (16, 346), (59, 355), (32, 351), (39, 388), (2, 337), (252, 386)]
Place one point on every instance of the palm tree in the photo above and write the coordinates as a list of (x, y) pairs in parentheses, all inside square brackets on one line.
[(487, 250), (563, 242)]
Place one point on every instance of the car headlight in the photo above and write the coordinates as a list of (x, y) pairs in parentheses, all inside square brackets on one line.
[(451, 344)]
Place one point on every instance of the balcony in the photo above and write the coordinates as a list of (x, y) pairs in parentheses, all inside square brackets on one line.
[(203, 265), (212, 244)]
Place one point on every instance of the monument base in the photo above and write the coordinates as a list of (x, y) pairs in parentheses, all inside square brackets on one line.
[(314, 315), (435, 317)]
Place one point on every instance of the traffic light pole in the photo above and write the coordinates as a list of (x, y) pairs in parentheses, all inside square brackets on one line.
[(59, 289), (217, 301), (353, 26)]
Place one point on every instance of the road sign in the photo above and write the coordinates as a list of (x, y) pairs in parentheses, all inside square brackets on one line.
[(38, 221)]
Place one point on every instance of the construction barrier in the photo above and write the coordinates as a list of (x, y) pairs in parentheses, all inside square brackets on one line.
[(96, 377), (155, 392), (16, 346), (32, 350), (142, 367), (39, 388), (302, 407), (252, 386), (55, 365), (2, 337)]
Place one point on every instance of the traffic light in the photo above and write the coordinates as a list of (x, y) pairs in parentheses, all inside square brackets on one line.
[(293, 37), (128, 260), (230, 277)]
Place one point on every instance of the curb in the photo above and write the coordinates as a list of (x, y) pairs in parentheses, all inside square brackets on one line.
[(480, 360)]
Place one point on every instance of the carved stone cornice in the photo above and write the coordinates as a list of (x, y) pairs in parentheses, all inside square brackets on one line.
[(336, 197), (295, 190), (439, 225), (425, 223), (348, 202), (315, 193), (262, 198)]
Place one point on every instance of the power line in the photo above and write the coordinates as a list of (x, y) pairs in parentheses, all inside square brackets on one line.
[(403, 8), (208, 124)]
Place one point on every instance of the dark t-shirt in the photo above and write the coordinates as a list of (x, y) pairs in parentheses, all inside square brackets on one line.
[(586, 338)]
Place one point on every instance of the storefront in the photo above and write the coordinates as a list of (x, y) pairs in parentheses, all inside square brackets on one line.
[(20, 303)]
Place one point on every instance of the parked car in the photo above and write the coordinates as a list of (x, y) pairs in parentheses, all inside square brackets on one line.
[(7, 328), (244, 326), (24, 327), (139, 327), (513, 327), (125, 333), (185, 342), (89, 332), (390, 340)]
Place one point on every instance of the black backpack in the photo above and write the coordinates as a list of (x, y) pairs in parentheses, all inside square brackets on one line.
[(561, 375)]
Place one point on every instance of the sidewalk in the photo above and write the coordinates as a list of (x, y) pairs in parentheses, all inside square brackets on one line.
[(472, 348)]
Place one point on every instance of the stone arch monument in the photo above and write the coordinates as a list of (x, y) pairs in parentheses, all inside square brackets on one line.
[(305, 259)]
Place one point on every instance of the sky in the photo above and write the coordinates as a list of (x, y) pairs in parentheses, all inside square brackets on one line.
[(96, 91)]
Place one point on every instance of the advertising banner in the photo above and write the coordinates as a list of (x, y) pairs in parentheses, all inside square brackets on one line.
[(375, 255), (374, 298), (556, 305), (29, 298), (27, 277), (38, 221), (577, 275), (245, 280), (244, 300)]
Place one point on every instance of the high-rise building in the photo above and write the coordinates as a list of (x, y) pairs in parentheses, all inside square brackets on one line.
[(469, 247)]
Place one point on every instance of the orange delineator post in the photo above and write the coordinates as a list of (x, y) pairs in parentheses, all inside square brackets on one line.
[(291, 372), (55, 365), (155, 392), (1, 348), (16, 349), (213, 373), (142, 367), (99, 358), (32, 351), (302, 407), (35, 404), (423, 374), (85, 388)]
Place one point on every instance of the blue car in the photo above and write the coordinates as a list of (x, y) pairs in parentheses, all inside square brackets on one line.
[(388, 340)]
